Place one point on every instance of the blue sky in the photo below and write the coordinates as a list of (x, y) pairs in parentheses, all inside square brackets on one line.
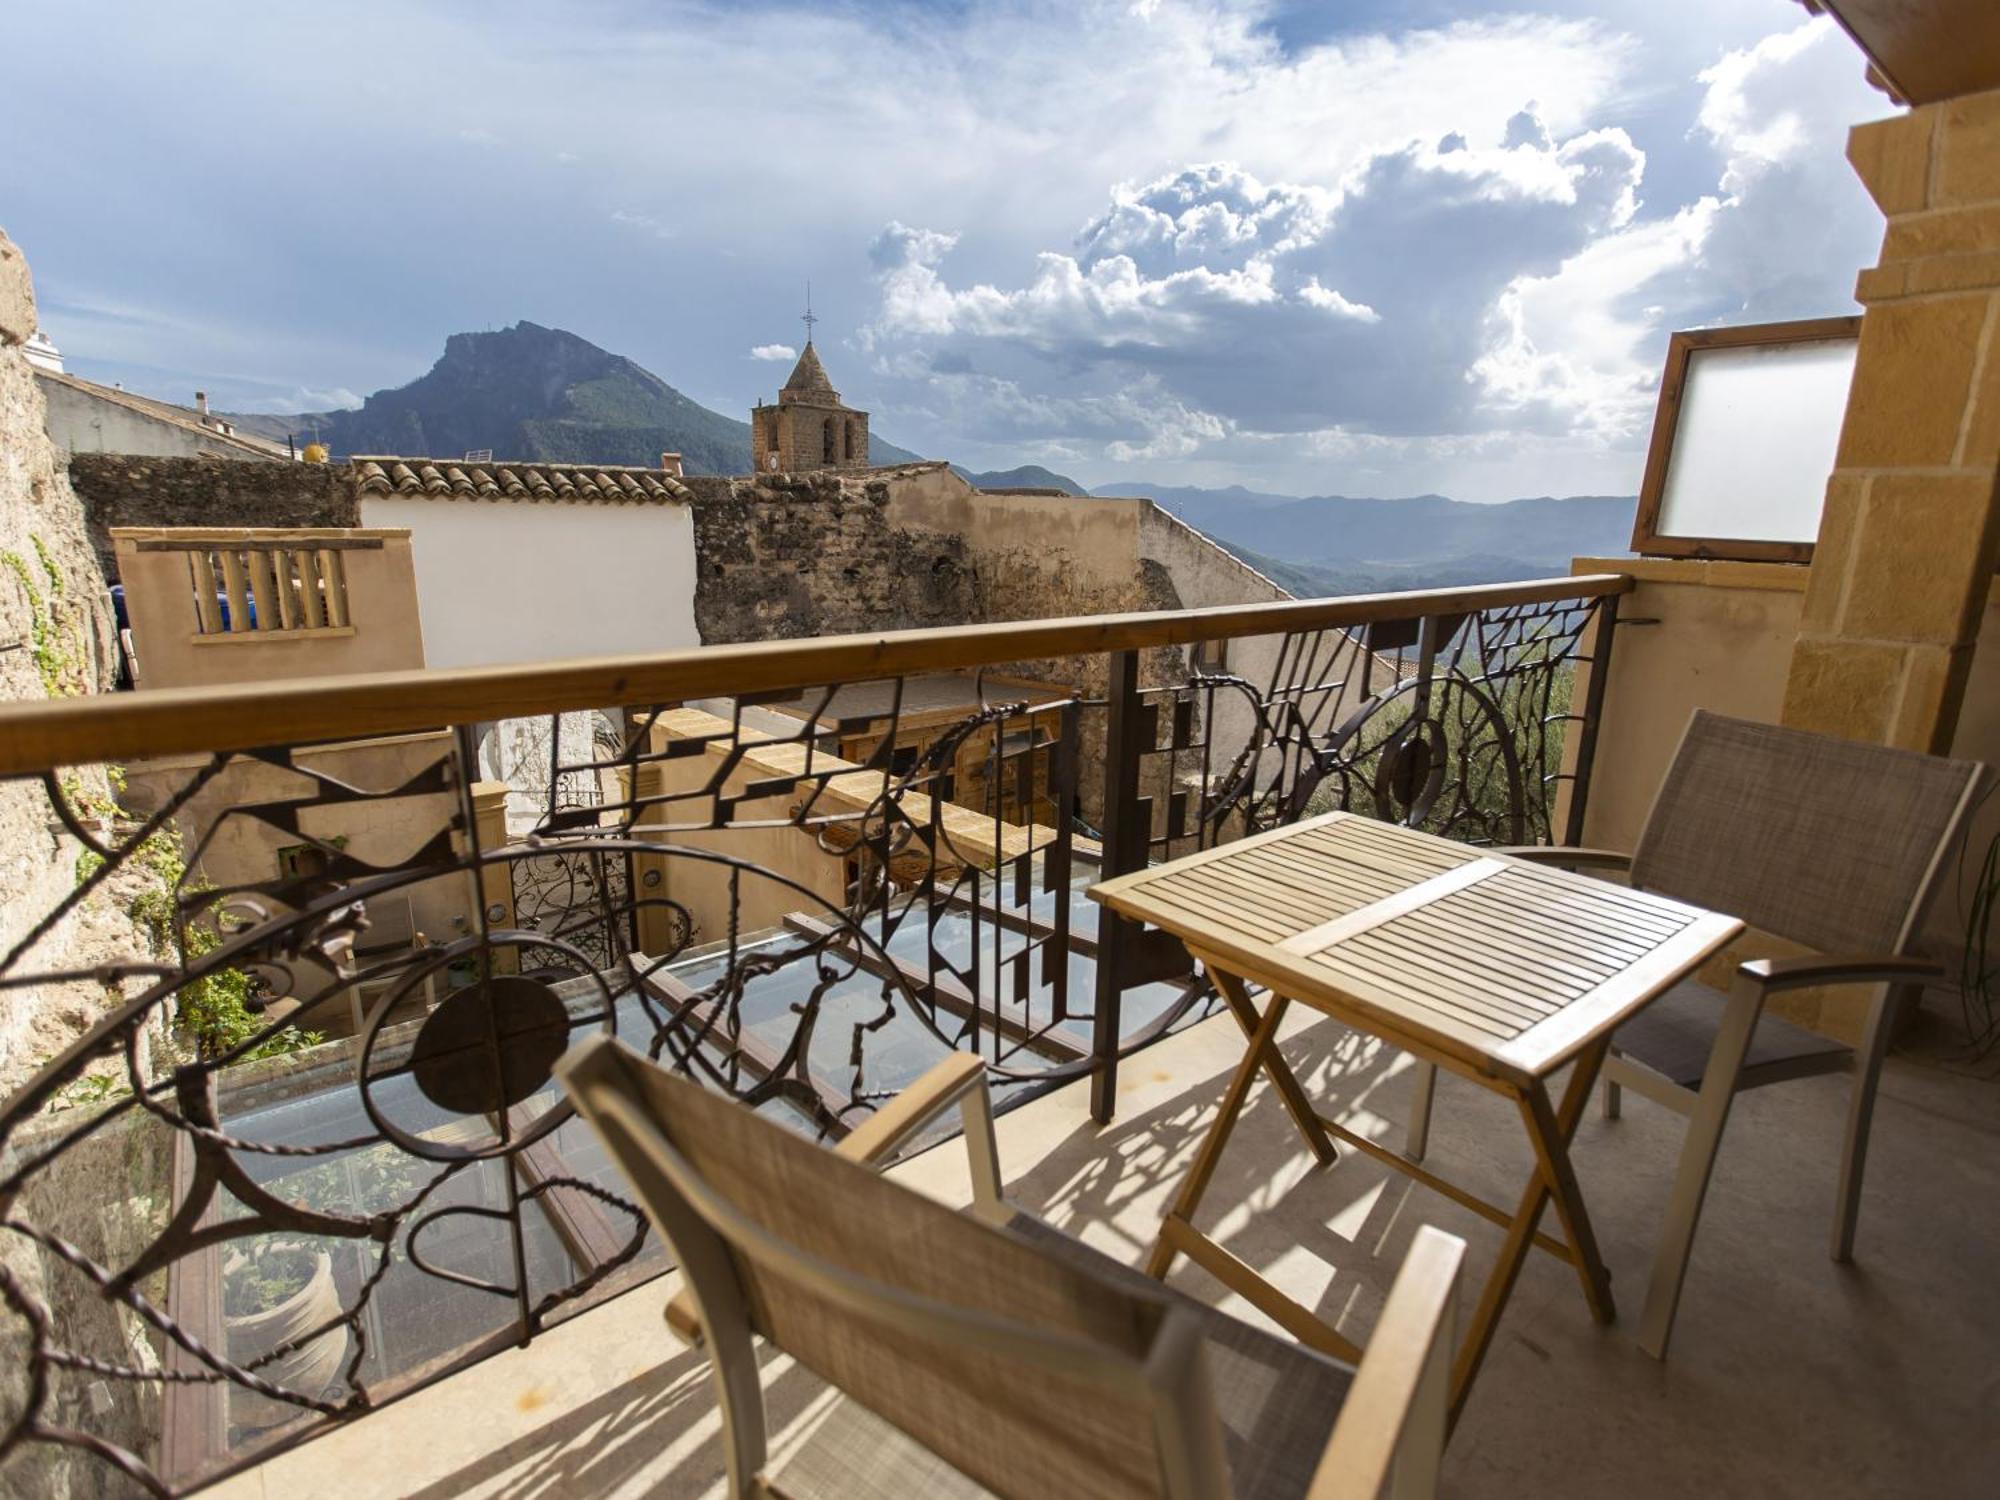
[(1365, 248)]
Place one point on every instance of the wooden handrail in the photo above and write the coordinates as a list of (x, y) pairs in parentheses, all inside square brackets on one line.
[(39, 736)]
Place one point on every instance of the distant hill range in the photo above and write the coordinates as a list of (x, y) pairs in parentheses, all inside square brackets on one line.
[(1338, 544), (1027, 477), (536, 394)]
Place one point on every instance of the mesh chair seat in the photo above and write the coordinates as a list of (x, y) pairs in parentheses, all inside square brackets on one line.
[(1675, 1034), (1277, 1402)]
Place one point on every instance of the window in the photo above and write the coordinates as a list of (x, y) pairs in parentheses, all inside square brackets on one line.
[(1748, 424), (850, 443), (826, 441)]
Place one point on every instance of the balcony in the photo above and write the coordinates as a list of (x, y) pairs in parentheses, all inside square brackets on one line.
[(344, 1250)]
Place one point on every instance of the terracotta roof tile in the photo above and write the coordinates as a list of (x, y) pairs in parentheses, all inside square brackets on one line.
[(532, 482)]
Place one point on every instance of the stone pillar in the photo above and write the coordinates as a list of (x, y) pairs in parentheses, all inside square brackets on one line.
[(1908, 540)]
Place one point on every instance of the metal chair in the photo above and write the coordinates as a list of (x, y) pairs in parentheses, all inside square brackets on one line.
[(989, 1353), (1831, 844)]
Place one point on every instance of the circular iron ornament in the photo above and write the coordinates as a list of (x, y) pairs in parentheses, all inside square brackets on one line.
[(491, 1045), (602, 1015), (1410, 773)]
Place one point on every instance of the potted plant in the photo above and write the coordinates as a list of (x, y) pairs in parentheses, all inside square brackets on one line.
[(272, 1292)]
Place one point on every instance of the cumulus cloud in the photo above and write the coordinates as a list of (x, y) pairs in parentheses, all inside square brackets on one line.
[(1779, 238), (774, 352), (1493, 283)]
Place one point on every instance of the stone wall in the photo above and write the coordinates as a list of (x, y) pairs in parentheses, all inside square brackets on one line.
[(125, 490), (109, 1196), (1910, 532), (55, 640), (783, 556)]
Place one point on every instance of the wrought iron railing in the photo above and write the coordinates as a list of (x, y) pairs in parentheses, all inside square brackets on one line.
[(797, 870)]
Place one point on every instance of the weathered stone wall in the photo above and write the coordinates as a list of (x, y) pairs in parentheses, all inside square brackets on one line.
[(55, 640), (110, 1195), (126, 490), (786, 556)]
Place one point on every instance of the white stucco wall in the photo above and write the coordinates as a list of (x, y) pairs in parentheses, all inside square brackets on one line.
[(512, 581)]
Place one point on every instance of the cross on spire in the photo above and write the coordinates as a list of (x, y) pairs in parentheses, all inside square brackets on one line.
[(809, 319)]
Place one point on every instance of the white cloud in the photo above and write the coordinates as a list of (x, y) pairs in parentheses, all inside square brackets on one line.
[(1780, 238), (303, 399), (658, 227), (776, 352), (1326, 299)]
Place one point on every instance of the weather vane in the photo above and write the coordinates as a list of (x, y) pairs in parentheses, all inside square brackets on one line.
[(809, 319)]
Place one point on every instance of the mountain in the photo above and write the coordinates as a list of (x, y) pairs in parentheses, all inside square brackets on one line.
[(536, 394), (1027, 477), (1346, 537), (1324, 581)]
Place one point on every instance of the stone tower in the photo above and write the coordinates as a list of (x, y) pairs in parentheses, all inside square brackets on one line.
[(809, 428)]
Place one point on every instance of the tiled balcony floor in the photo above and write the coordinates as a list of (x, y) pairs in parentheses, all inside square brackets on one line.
[(1788, 1376)]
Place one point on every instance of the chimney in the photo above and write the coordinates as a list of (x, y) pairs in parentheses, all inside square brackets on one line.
[(201, 402), (671, 462)]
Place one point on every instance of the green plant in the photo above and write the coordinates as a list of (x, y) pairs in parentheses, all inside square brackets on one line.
[(268, 1276), (55, 665), (214, 1014)]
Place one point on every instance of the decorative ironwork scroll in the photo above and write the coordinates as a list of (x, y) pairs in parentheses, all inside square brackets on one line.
[(312, 1152)]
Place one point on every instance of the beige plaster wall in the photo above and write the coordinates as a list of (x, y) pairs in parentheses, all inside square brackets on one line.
[(514, 581), (1724, 642), (383, 633), (242, 849), (703, 887)]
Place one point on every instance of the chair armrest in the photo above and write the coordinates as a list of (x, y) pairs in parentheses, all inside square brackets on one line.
[(1556, 854), (883, 1133), (957, 1081), (1396, 1410), (1840, 968)]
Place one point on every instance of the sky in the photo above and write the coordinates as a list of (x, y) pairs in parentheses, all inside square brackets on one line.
[(1381, 247)]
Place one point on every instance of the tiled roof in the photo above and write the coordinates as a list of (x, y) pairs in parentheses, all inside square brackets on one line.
[(447, 480), (809, 379)]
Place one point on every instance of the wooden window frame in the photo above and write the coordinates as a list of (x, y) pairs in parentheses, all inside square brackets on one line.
[(1647, 540)]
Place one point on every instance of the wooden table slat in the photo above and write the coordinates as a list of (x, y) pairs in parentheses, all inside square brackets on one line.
[(1461, 924), (1406, 938), (1545, 928), (1571, 912)]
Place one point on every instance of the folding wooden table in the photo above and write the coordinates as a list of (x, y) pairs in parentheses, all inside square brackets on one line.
[(1499, 970)]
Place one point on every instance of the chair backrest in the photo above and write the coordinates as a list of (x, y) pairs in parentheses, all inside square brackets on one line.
[(1028, 1374), (1831, 843)]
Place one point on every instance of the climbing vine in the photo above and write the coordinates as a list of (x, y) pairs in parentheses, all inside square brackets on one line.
[(215, 1013), (48, 643)]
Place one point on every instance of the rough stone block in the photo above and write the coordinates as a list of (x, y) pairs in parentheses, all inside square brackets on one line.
[(1844, 688), (1981, 445), (1893, 160), (1881, 283), (1934, 680), (1952, 273), (1968, 165), (17, 294), (1911, 381), (1923, 558), (1838, 521), (1956, 231)]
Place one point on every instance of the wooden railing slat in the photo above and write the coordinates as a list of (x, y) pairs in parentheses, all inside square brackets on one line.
[(36, 736)]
